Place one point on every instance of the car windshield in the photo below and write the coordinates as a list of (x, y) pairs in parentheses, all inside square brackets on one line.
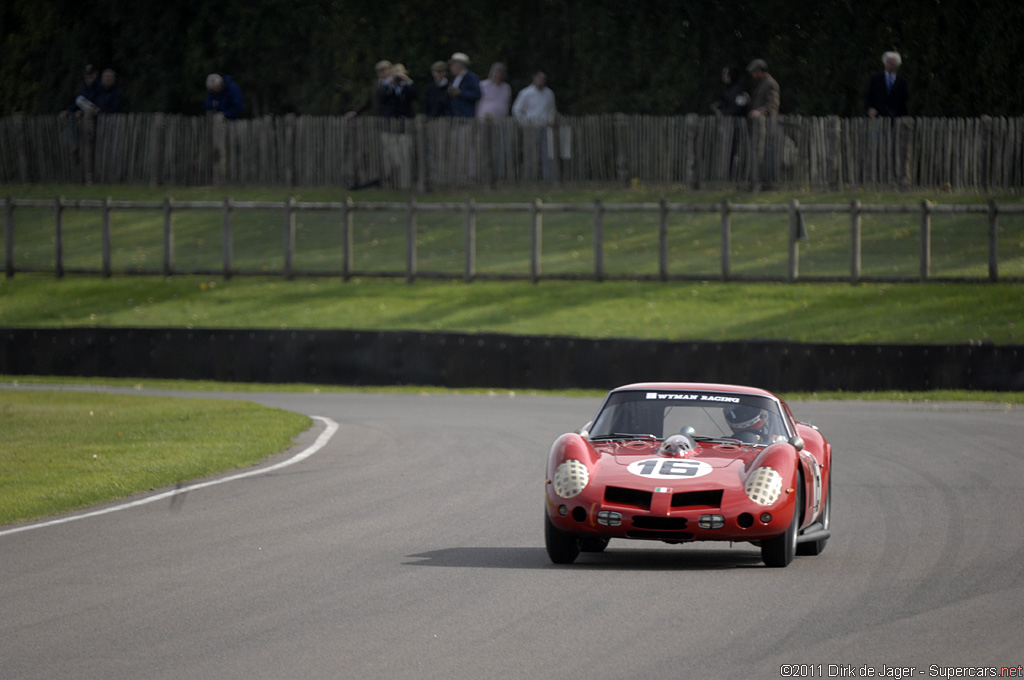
[(712, 415)]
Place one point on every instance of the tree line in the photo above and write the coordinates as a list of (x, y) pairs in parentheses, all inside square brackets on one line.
[(315, 57)]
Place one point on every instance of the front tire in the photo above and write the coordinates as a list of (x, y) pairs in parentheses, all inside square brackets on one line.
[(779, 551), (817, 547), (563, 548)]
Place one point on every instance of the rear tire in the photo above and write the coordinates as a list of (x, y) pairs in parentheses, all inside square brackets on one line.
[(563, 548), (779, 551)]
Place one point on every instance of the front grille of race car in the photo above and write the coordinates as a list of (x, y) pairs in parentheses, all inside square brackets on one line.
[(693, 499), (659, 528), (659, 523), (633, 497)]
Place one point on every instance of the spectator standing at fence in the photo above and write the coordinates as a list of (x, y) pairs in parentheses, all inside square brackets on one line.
[(377, 91), (109, 98), (767, 96), (535, 109), (464, 89), (86, 95), (223, 95), (436, 97), (398, 95), (398, 98), (535, 103), (734, 101), (888, 91), (495, 94)]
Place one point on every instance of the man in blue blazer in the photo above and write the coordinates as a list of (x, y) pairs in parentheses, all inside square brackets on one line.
[(464, 90), (888, 91)]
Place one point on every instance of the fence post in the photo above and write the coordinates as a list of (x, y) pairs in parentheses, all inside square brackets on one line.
[(794, 239), (421, 152), (410, 242), (536, 222), (9, 237), (599, 240), (21, 142), (289, 150), (168, 238), (621, 150), (289, 237), (218, 155), (58, 238), (726, 241), (835, 146), (993, 240), (347, 210), (905, 152), (227, 247), (855, 248), (106, 238), (470, 239), (555, 151), (157, 135), (926, 239), (663, 239), (691, 172), (758, 146), (88, 145)]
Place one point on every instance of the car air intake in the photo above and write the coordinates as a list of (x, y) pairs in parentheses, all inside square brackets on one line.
[(620, 496), (697, 499)]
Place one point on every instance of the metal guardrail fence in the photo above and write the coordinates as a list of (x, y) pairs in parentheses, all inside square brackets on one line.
[(468, 212), (824, 153)]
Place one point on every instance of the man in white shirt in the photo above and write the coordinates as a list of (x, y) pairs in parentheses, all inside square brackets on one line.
[(535, 104), (534, 109)]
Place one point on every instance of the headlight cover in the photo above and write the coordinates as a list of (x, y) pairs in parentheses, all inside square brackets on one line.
[(570, 478), (764, 486)]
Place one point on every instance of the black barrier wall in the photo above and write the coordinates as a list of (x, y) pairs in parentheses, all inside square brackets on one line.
[(499, 361)]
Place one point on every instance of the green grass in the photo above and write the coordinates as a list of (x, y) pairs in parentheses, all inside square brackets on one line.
[(60, 451), (802, 312)]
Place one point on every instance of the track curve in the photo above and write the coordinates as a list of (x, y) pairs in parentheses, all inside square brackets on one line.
[(411, 546)]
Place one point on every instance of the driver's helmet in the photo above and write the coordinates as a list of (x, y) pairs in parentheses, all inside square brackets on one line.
[(746, 418)]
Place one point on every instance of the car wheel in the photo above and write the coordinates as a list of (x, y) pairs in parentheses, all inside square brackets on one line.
[(593, 545), (563, 548), (817, 547), (779, 551)]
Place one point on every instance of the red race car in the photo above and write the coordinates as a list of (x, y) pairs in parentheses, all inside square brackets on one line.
[(681, 462)]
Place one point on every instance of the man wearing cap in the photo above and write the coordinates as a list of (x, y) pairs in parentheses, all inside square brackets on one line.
[(378, 92), (464, 90), (766, 97), (223, 96), (87, 95)]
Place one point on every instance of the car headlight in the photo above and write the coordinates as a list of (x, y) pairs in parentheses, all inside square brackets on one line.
[(570, 478), (764, 486)]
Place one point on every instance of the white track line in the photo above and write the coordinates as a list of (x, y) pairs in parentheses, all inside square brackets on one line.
[(321, 441)]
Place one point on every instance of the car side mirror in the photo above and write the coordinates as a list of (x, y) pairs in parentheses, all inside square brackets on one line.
[(797, 442), (585, 430)]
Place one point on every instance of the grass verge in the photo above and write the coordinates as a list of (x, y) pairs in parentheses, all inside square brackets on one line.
[(61, 450), (802, 312)]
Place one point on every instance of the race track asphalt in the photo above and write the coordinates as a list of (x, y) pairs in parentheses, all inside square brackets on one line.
[(411, 546)]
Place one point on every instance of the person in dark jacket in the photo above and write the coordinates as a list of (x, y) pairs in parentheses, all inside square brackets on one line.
[(223, 96), (436, 99), (888, 92), (109, 98), (734, 101), (87, 95), (464, 90)]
